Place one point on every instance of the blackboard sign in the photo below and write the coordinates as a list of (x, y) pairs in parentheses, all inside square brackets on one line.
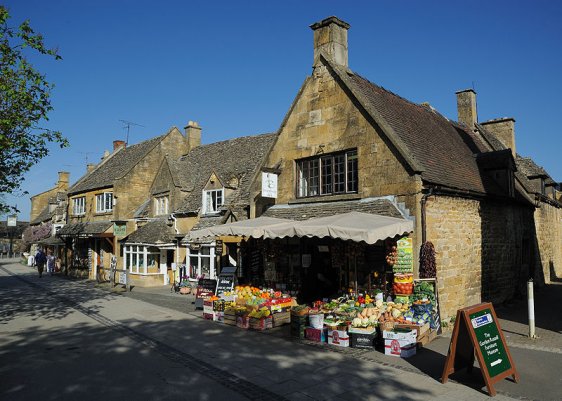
[(225, 283), (477, 331), (205, 288)]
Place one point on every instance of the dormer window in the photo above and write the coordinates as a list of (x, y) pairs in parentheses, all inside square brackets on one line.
[(213, 199), (104, 202), (161, 205)]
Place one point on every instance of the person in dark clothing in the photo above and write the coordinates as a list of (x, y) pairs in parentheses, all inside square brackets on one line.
[(40, 260)]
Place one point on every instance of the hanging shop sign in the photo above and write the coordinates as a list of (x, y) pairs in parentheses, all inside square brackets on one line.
[(218, 247), (268, 185), (477, 331), (119, 230)]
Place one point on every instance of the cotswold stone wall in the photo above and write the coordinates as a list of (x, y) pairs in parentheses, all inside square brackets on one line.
[(323, 120), (548, 224), (454, 228), (478, 250)]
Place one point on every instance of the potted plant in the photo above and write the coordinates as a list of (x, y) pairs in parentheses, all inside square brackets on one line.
[(185, 286)]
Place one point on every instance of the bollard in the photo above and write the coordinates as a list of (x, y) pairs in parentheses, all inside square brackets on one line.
[(531, 304)]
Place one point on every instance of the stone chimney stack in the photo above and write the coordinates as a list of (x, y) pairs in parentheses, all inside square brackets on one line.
[(193, 135), (504, 130), (466, 107), (330, 39), (90, 167), (64, 179), (117, 144)]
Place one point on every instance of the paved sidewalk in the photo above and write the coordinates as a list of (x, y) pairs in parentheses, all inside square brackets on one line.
[(301, 370)]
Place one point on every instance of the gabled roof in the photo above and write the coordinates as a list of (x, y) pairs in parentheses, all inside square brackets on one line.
[(234, 162), (443, 152), (115, 166), (440, 150), (155, 232)]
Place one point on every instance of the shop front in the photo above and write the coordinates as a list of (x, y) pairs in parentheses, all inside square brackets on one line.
[(89, 248), (345, 279), (313, 259), (151, 254)]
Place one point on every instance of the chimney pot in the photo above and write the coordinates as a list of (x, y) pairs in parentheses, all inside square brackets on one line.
[(466, 107), (330, 39), (118, 144)]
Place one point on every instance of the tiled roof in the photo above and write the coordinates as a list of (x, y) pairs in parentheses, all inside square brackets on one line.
[(85, 229), (114, 166), (41, 217), (530, 168), (305, 211), (155, 232), (209, 221), (444, 150), (232, 160)]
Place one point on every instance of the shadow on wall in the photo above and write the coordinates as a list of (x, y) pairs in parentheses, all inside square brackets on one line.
[(509, 251), (553, 277)]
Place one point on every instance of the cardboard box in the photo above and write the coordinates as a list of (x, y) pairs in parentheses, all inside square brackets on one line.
[(207, 306), (208, 316), (362, 330), (339, 338), (399, 348), (318, 335), (409, 336), (420, 330), (361, 340), (218, 317)]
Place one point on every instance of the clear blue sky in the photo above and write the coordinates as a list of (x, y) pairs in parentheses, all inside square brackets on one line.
[(235, 66)]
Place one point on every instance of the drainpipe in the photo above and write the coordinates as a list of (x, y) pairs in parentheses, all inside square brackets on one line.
[(177, 241), (423, 216)]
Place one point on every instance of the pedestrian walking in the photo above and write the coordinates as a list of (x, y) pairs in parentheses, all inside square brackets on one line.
[(40, 260), (50, 262)]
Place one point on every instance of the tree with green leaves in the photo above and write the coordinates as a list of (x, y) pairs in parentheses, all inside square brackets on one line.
[(24, 104)]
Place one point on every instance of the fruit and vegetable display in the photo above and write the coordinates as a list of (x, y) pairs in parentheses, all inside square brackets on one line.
[(404, 259), (403, 284)]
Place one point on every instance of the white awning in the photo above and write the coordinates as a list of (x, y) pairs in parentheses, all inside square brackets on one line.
[(354, 226), (245, 228)]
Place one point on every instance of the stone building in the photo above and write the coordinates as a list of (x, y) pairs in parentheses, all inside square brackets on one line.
[(346, 140), (207, 186), (102, 203), (48, 215)]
